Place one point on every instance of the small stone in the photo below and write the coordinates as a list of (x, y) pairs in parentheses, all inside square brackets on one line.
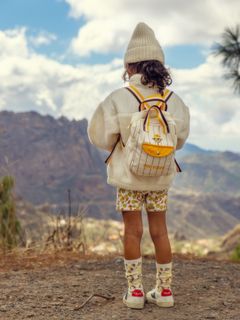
[(56, 303), (212, 316), (118, 261)]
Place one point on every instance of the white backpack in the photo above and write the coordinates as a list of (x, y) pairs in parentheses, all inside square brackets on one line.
[(151, 145)]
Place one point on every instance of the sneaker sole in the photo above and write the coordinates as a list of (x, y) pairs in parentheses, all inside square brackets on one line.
[(163, 304), (134, 305)]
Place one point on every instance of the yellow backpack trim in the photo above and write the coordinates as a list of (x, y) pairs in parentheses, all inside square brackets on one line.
[(157, 151), (163, 96), (160, 121), (159, 117)]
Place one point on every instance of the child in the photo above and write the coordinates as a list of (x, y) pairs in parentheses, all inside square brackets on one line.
[(109, 129)]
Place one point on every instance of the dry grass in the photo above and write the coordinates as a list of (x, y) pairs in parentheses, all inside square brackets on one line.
[(26, 259), (33, 259)]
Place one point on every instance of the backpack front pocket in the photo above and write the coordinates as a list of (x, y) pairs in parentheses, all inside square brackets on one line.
[(156, 150)]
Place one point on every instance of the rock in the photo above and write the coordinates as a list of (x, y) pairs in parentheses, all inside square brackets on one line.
[(212, 316), (3, 309), (118, 261)]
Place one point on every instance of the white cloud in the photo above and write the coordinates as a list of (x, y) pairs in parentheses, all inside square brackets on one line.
[(109, 24), (13, 42), (43, 38), (215, 113), (29, 81), (90, 40)]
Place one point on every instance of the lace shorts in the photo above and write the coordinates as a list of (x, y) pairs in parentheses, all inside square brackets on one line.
[(131, 200)]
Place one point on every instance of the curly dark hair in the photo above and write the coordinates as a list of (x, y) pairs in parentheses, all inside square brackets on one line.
[(153, 73)]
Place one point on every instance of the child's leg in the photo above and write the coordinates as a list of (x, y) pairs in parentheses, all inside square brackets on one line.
[(156, 203), (133, 230), (156, 206), (129, 203), (159, 235)]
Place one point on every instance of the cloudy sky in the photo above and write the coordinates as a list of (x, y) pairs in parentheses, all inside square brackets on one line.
[(62, 57)]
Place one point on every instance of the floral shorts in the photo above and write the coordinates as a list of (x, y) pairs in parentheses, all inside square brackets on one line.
[(131, 200)]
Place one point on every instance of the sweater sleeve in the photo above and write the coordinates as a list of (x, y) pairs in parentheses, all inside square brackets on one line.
[(182, 117), (184, 130), (103, 127)]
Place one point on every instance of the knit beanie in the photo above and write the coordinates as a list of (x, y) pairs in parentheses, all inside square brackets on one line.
[(143, 46)]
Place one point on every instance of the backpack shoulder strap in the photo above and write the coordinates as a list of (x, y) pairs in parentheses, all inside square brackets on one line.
[(119, 139), (137, 94), (166, 94), (161, 98)]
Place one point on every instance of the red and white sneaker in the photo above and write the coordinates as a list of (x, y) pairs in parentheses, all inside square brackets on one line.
[(162, 299), (134, 299)]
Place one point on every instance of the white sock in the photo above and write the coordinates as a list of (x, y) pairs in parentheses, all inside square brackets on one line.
[(132, 272), (133, 260), (163, 275), (164, 265)]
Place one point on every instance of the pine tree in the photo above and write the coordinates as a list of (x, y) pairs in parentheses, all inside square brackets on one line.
[(9, 225), (229, 50)]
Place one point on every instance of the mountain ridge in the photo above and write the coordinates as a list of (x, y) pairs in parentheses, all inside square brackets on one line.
[(49, 156)]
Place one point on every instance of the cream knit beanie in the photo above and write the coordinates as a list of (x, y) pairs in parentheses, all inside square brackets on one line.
[(143, 46)]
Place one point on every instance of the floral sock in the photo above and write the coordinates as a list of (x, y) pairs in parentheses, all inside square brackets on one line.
[(163, 275), (133, 273)]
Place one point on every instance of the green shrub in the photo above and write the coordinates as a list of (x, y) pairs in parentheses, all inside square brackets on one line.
[(9, 225), (236, 253)]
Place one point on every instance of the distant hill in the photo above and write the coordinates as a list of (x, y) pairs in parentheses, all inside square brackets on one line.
[(190, 149), (198, 215), (48, 156), (210, 172)]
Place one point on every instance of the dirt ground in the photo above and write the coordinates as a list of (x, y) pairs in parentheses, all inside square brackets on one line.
[(50, 287)]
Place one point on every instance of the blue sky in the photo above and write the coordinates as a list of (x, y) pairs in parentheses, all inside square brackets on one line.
[(53, 16), (62, 57), (41, 15)]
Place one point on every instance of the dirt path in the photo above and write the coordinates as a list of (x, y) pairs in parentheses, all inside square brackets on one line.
[(203, 289)]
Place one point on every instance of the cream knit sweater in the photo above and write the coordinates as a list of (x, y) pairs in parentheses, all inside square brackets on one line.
[(112, 117)]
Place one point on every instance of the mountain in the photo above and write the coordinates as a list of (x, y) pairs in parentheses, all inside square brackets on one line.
[(210, 172), (198, 215), (190, 149), (49, 156)]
